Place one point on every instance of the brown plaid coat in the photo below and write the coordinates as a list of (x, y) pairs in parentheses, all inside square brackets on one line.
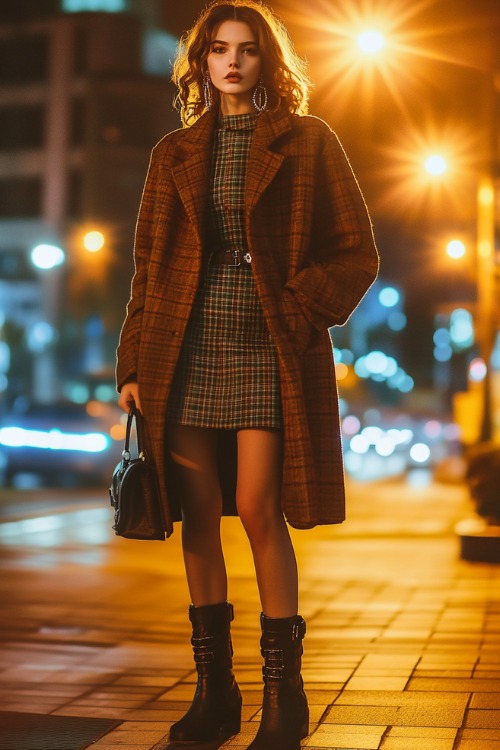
[(314, 258)]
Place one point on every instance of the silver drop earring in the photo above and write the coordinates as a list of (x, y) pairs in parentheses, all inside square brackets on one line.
[(259, 97), (207, 91)]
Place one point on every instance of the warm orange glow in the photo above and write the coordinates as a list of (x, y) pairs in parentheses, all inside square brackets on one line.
[(93, 241), (341, 371), (117, 432), (486, 196), (436, 165), (410, 185), (358, 47), (95, 409), (396, 55), (456, 249), (371, 42)]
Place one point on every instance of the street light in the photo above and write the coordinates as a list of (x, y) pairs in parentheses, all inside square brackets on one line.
[(485, 324), (455, 249), (93, 241), (371, 41), (436, 165), (485, 168)]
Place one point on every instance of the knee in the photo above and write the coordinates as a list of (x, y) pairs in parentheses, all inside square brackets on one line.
[(261, 520)]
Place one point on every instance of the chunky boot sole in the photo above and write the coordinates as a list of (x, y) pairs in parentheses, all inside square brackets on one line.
[(271, 742), (226, 732)]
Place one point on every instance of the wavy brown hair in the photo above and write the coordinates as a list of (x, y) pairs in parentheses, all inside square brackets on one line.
[(284, 72)]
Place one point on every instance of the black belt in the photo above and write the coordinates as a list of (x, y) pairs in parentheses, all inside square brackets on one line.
[(234, 258)]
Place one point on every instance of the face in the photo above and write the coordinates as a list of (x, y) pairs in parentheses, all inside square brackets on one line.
[(234, 66)]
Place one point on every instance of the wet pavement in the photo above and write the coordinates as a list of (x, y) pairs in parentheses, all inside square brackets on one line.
[(403, 644)]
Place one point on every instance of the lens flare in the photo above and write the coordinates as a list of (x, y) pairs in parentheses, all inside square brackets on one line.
[(371, 42)]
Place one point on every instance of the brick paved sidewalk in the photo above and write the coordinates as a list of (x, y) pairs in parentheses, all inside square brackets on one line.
[(402, 650)]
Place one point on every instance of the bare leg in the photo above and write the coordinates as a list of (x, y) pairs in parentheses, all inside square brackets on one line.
[(259, 506), (194, 451)]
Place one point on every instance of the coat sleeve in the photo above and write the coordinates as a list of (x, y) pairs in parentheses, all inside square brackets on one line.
[(128, 347), (344, 259)]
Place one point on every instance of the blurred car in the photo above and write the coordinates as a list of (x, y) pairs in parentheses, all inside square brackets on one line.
[(59, 445)]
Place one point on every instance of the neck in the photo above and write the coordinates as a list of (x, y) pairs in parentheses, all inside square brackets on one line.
[(236, 105)]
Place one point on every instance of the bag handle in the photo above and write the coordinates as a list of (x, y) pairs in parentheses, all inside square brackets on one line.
[(134, 414)]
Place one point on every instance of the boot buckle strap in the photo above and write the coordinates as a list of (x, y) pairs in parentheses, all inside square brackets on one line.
[(202, 642), (275, 663), (203, 650), (274, 655), (207, 657), (298, 630), (275, 673)]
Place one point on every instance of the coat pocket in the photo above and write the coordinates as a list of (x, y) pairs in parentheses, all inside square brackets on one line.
[(302, 332)]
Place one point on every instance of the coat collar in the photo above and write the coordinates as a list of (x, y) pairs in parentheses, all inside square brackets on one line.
[(192, 173), (269, 127)]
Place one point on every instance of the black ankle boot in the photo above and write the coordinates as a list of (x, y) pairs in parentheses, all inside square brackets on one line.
[(285, 713), (215, 713)]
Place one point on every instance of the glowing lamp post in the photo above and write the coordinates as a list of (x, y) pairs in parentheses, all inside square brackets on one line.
[(485, 274)]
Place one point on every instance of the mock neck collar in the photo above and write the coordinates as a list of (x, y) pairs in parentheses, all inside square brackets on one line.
[(245, 121)]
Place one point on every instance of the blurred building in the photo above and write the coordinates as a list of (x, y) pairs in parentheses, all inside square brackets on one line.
[(83, 98)]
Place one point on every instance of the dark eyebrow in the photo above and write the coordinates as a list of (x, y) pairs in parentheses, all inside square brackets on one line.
[(242, 44)]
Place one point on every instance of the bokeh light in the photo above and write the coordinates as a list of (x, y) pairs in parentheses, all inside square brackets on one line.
[(443, 353), (41, 335), (341, 371), (351, 425), (477, 370), (93, 241), (396, 321), (461, 329), (442, 337), (46, 256), (389, 296), (455, 249), (420, 453)]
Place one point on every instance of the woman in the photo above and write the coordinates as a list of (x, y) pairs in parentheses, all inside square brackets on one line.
[(252, 240)]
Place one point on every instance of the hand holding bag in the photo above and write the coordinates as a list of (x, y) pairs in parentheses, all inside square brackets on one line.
[(134, 491)]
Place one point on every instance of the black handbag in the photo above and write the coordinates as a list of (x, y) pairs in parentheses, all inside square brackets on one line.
[(134, 491)]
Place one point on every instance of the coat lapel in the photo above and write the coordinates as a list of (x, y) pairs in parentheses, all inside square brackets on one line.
[(263, 164), (192, 175)]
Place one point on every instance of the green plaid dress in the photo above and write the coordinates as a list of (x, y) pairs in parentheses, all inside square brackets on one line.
[(227, 374)]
